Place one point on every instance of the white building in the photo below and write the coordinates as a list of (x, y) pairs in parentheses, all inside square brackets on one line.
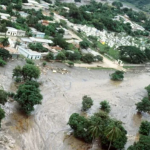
[(14, 32), (36, 40), (36, 33), (23, 14), (28, 53), (4, 16)]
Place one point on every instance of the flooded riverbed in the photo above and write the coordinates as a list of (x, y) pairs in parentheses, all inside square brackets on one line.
[(47, 127)]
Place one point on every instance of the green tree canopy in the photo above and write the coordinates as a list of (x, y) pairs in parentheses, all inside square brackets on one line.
[(30, 71), (2, 115), (144, 105), (87, 102), (27, 96), (3, 97), (132, 54)]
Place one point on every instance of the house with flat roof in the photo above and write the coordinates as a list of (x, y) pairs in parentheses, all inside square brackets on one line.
[(4, 16), (23, 14), (36, 33), (26, 41), (14, 52), (14, 32), (37, 40), (28, 53)]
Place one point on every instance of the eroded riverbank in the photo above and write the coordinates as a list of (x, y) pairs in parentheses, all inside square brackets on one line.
[(62, 95)]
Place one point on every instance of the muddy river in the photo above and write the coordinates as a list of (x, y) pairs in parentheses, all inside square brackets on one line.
[(47, 129)]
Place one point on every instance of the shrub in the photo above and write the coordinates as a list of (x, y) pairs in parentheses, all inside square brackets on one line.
[(17, 79), (117, 75), (3, 97), (144, 105), (29, 61), (71, 64), (145, 128), (148, 90), (2, 62), (49, 56), (105, 106), (74, 55), (44, 64), (17, 72), (84, 44), (60, 56), (2, 115), (86, 103), (88, 58), (98, 58)]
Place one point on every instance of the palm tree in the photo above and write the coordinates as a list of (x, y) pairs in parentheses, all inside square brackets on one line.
[(95, 128), (113, 132)]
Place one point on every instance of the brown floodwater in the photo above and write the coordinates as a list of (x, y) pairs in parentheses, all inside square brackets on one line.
[(47, 129)]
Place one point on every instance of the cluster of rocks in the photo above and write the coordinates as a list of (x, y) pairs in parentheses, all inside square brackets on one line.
[(6, 141), (44, 70)]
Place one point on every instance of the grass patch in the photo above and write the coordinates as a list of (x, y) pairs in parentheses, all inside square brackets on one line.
[(100, 68)]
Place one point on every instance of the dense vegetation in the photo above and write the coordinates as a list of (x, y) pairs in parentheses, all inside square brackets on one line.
[(141, 4), (111, 132), (144, 105), (27, 72), (28, 95), (144, 141), (101, 16)]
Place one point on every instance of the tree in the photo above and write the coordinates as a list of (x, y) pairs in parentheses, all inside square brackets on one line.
[(30, 71), (105, 106), (4, 54), (87, 102), (5, 42), (17, 72), (95, 128), (117, 76), (2, 62), (60, 56), (147, 53), (117, 4), (132, 54), (27, 96), (3, 97), (148, 90), (74, 55), (112, 132), (80, 126), (144, 105), (2, 115), (61, 42), (88, 58), (84, 44), (49, 56), (142, 144), (145, 128)]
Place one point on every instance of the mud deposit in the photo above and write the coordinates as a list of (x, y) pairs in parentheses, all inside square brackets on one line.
[(46, 128)]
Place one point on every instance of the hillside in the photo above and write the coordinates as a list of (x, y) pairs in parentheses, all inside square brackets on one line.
[(142, 4)]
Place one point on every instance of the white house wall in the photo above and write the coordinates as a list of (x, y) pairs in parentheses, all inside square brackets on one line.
[(27, 54)]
